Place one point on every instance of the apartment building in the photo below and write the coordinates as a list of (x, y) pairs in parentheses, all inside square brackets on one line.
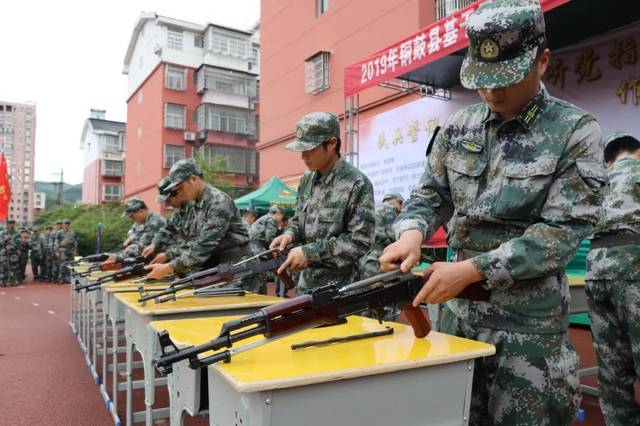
[(192, 90), (17, 143), (103, 143)]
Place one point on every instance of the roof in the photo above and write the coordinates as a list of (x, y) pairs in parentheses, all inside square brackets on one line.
[(107, 125)]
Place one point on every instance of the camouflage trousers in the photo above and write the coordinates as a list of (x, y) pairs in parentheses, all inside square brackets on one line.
[(614, 306), (531, 380)]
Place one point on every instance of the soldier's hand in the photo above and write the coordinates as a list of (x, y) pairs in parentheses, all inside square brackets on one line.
[(281, 242), (160, 258), (148, 250), (111, 259), (404, 253), (159, 270), (126, 242), (296, 260), (636, 390), (446, 281)]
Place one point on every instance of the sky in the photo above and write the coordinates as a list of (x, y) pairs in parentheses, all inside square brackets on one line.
[(67, 57)]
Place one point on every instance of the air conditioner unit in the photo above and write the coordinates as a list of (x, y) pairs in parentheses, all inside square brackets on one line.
[(189, 136), (157, 49), (202, 135)]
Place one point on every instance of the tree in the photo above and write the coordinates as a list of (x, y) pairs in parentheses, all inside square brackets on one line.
[(215, 172), (84, 220)]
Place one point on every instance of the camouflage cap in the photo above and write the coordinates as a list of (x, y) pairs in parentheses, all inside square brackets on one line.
[(393, 196), (58, 222), (66, 221), (250, 210), (181, 171), (163, 194), (132, 206), (36, 229), (11, 221), (277, 209), (314, 129), (504, 37)]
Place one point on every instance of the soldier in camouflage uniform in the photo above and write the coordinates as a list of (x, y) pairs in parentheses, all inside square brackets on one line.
[(37, 244), (518, 179), (46, 254), (262, 232), (249, 216), (168, 243), (333, 222), (385, 215), (9, 248), (214, 227), (613, 284), (23, 254), (54, 270), (148, 225), (66, 244)]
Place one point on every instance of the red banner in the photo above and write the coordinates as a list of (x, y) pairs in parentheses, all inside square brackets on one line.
[(433, 42), (5, 189)]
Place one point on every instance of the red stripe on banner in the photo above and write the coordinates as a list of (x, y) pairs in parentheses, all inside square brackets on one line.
[(431, 43), (5, 189)]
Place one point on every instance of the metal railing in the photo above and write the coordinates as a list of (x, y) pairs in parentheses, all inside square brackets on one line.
[(447, 7)]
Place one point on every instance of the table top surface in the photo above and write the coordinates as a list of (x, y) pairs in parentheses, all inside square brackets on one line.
[(576, 280), (196, 304), (275, 365), (131, 285)]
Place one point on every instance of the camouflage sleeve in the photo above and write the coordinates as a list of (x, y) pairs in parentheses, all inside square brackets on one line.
[(163, 238), (429, 204), (153, 226), (568, 215), (257, 236), (348, 247), (293, 227), (217, 217)]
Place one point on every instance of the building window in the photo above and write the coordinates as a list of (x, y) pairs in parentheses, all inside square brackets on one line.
[(112, 168), (172, 153), (238, 160), (110, 143), (228, 44), (226, 119), (198, 41), (175, 78), (112, 192), (174, 39), (174, 116), (316, 73), (321, 7)]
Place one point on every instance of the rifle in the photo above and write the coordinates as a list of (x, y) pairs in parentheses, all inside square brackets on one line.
[(100, 257), (116, 266), (134, 270), (218, 276), (327, 305)]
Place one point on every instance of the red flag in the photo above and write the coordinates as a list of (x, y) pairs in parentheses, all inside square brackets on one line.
[(5, 189)]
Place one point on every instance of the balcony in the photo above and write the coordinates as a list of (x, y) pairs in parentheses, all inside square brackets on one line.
[(111, 168), (447, 7), (238, 160), (222, 118)]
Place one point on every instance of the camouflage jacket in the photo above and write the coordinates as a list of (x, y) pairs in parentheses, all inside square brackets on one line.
[(66, 241), (262, 232), (9, 242), (216, 232), (142, 236), (51, 241), (38, 245), (171, 239), (517, 196), (620, 215), (334, 223), (384, 217)]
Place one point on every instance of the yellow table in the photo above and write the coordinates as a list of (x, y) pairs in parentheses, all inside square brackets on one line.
[(141, 338), (113, 313), (395, 379)]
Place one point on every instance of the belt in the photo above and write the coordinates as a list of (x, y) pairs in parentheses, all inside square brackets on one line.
[(615, 241)]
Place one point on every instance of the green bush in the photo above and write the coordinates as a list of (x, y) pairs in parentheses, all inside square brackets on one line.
[(84, 220)]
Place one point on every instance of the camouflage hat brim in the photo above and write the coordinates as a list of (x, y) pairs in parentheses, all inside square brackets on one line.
[(618, 135), (494, 75), (300, 146), (161, 198)]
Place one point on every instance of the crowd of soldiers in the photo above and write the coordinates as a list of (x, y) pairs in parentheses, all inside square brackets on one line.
[(47, 252)]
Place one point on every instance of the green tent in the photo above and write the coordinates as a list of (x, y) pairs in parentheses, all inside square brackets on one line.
[(274, 192)]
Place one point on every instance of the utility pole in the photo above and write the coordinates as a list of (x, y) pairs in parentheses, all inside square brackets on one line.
[(60, 185)]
